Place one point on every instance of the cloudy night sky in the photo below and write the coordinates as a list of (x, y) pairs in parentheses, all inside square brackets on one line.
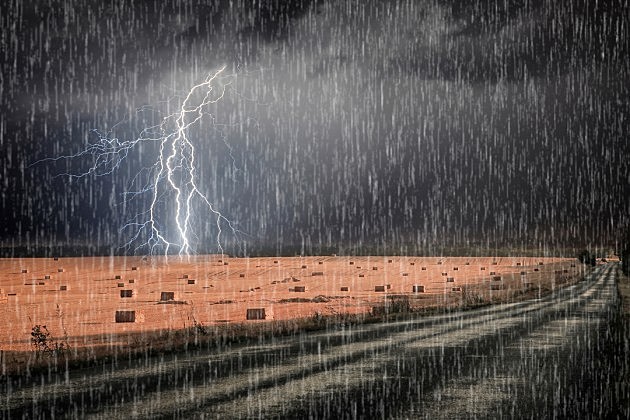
[(345, 123)]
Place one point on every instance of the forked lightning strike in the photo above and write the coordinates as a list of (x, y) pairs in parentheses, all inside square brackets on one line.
[(173, 173), (183, 153)]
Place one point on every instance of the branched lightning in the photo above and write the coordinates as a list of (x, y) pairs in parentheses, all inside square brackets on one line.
[(173, 174)]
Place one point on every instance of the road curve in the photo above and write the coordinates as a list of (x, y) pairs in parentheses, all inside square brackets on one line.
[(519, 360)]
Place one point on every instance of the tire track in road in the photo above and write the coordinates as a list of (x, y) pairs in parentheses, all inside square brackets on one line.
[(546, 372), (373, 385)]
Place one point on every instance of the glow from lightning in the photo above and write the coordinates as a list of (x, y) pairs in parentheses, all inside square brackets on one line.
[(173, 173)]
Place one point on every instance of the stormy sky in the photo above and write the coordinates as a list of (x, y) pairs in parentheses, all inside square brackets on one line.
[(347, 124)]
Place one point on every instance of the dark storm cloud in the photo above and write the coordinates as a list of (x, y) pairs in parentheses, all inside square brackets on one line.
[(516, 40), (467, 129), (371, 121), (71, 66)]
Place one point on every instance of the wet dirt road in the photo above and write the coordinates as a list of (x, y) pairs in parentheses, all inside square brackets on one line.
[(539, 358)]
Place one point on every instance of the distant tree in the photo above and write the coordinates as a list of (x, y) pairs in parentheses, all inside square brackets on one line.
[(585, 257), (624, 253)]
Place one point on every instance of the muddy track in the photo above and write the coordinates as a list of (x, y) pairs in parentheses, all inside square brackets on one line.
[(507, 360)]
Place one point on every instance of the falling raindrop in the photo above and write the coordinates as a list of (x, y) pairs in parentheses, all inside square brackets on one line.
[(425, 144)]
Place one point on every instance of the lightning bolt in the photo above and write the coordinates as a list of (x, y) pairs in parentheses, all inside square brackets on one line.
[(173, 174)]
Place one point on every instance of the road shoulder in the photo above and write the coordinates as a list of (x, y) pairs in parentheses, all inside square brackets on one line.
[(620, 354)]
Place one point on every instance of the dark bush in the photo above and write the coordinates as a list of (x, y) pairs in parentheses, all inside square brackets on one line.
[(624, 253), (43, 342), (585, 257)]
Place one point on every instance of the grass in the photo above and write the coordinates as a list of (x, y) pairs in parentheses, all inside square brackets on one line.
[(196, 336)]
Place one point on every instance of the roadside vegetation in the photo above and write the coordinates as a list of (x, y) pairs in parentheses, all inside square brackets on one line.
[(46, 345)]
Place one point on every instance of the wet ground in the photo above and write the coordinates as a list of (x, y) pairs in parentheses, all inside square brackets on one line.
[(546, 358)]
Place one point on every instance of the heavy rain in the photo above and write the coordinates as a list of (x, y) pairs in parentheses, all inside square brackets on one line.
[(315, 209)]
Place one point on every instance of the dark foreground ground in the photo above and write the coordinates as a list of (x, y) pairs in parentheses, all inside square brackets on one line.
[(562, 356)]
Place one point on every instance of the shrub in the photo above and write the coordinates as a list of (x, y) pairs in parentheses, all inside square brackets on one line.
[(45, 344), (585, 257)]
